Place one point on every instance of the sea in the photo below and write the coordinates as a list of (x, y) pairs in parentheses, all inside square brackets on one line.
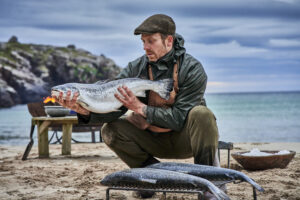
[(241, 117)]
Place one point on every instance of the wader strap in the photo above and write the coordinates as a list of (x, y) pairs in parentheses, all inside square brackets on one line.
[(156, 100)]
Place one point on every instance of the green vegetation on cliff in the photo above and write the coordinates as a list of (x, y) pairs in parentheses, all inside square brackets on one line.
[(34, 69)]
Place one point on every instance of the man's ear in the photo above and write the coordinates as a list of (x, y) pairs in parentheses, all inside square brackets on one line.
[(170, 41)]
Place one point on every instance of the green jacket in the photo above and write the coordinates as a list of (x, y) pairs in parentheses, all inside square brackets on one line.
[(192, 81)]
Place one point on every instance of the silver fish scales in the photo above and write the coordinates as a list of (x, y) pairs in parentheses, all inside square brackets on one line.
[(216, 175), (159, 179), (99, 97)]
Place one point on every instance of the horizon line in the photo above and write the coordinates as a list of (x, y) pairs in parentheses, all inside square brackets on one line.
[(252, 92)]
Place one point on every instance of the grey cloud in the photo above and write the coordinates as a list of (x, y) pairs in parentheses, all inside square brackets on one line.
[(231, 38), (214, 9), (284, 43)]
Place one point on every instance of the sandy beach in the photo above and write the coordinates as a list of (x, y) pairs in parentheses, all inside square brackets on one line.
[(78, 176)]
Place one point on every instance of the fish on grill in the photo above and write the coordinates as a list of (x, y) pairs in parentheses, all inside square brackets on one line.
[(160, 179), (216, 175), (99, 97)]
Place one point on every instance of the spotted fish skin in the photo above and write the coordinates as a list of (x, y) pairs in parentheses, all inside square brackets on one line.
[(99, 97), (159, 178), (210, 173)]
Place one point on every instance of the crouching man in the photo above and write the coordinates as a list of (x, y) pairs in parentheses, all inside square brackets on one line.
[(177, 128)]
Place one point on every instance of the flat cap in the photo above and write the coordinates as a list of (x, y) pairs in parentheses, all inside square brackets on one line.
[(158, 23)]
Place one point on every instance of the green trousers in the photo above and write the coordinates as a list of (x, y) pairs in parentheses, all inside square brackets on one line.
[(198, 139)]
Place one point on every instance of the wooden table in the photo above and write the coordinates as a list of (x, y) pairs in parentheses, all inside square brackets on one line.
[(43, 124)]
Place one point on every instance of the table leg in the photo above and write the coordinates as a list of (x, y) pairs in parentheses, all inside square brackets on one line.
[(93, 136), (43, 139), (66, 139)]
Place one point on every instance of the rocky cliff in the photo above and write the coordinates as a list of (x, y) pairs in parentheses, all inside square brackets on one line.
[(28, 71)]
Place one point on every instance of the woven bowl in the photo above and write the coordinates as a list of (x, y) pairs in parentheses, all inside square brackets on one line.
[(36, 109), (263, 162), (57, 111)]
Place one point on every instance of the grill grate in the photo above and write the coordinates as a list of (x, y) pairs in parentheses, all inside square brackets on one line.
[(164, 189), (155, 189)]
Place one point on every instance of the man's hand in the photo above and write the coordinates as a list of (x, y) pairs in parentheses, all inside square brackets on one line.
[(130, 101), (71, 103)]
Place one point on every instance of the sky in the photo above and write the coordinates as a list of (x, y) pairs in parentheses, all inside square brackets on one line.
[(244, 45)]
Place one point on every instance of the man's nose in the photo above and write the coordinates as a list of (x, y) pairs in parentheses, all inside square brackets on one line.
[(146, 46)]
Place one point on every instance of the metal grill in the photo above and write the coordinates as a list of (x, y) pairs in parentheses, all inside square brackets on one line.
[(163, 190)]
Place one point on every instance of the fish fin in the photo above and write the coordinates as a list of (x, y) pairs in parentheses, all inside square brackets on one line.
[(244, 177), (153, 181), (101, 82), (85, 105), (254, 184), (141, 94), (220, 195), (166, 88), (116, 110), (182, 171)]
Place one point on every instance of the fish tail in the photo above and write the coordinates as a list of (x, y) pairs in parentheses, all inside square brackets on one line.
[(219, 193), (166, 86), (252, 182), (223, 195)]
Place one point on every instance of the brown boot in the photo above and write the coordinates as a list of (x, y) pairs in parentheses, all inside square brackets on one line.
[(209, 196), (143, 194), (151, 160)]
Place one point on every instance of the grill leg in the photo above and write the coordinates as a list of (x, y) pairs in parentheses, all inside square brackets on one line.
[(228, 158), (164, 195), (254, 194), (100, 137), (93, 136), (107, 194)]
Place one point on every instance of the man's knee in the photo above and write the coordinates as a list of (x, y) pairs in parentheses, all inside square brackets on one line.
[(108, 133), (201, 114), (202, 124)]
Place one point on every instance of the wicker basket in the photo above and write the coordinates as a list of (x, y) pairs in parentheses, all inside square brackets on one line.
[(263, 162), (36, 109)]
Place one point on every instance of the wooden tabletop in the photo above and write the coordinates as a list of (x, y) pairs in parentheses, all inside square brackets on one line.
[(67, 118)]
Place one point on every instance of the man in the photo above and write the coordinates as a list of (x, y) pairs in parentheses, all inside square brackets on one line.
[(179, 128)]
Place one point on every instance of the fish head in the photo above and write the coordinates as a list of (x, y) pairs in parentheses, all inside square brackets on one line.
[(55, 91)]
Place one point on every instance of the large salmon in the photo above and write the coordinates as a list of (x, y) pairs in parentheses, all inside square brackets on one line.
[(99, 97)]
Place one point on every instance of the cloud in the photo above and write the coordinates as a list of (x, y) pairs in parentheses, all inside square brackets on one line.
[(216, 8), (284, 42), (234, 39), (249, 27), (287, 1), (231, 49)]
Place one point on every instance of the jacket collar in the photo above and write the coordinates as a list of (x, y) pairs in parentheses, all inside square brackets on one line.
[(178, 46), (171, 57)]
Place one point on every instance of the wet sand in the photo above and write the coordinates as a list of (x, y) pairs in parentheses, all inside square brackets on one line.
[(78, 176)]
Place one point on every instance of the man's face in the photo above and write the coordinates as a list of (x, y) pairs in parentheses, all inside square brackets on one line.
[(154, 46)]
